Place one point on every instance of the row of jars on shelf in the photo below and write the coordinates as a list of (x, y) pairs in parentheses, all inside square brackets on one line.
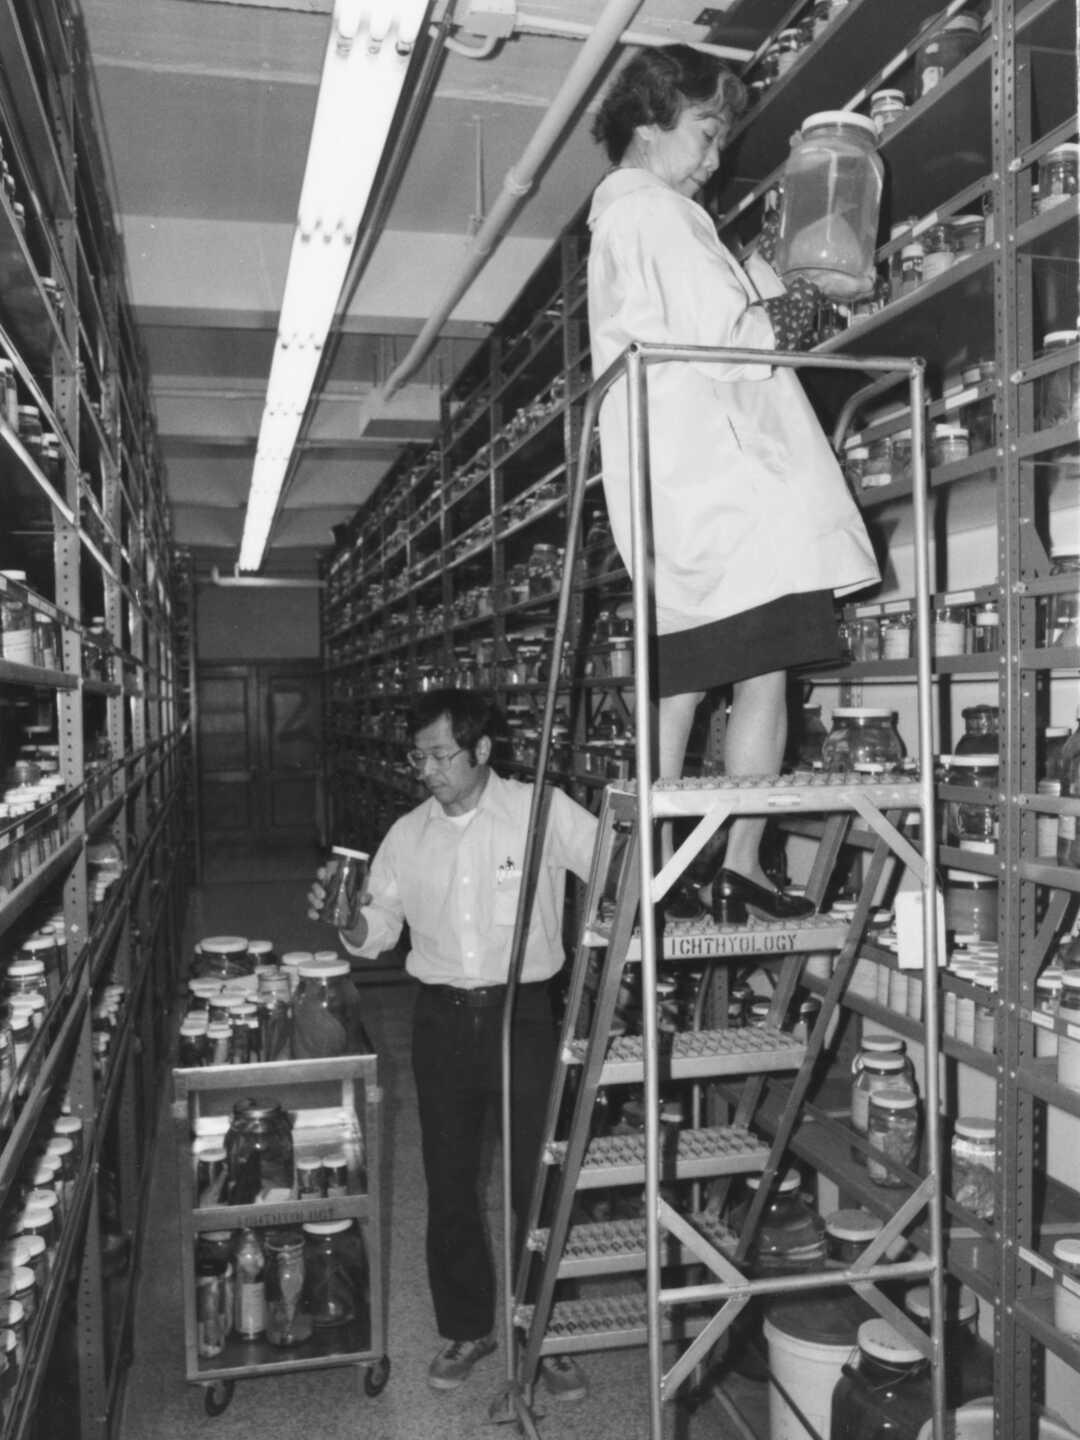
[(32, 635)]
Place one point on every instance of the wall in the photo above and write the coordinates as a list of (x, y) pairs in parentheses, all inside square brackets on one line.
[(236, 623)]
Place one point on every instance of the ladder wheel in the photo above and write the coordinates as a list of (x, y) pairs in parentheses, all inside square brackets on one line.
[(376, 1377), (218, 1396)]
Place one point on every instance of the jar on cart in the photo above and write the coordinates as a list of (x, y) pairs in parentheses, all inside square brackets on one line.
[(972, 824), (973, 1158), (288, 1319), (326, 1011), (831, 198), (336, 1279), (223, 956), (942, 51), (885, 1392), (969, 1374), (862, 735), (892, 1133), (790, 1236), (259, 1154)]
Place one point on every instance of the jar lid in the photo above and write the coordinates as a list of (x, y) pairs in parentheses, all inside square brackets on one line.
[(893, 1098), (327, 1227), (970, 24), (213, 1153), (1068, 1249), (960, 1302), (39, 942), (970, 877), (60, 1145), (1061, 337), (888, 95), (881, 1044), (335, 1157), (260, 947), (842, 118), (888, 1062), (220, 1030), (1070, 149), (853, 1225), (1071, 979), (318, 968), (790, 1182), (878, 1339), (856, 452), (967, 222), (223, 944), (296, 957), (12, 1314), (33, 1214), (971, 762), (17, 1279), (975, 1127), (861, 712), (951, 432)]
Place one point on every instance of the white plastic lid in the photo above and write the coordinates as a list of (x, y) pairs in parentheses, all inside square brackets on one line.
[(223, 944), (60, 1145), (790, 1181), (1070, 147), (951, 432), (888, 95), (893, 1098), (335, 1157), (841, 118), (887, 1062), (327, 1227), (260, 947), (967, 222), (975, 1127), (26, 969), (316, 969), (860, 712), (970, 23), (1068, 1250), (18, 1278), (881, 1045), (326, 955), (878, 1339), (853, 1225), (971, 762), (1070, 979), (296, 957), (39, 942), (14, 1314), (960, 1304), (1061, 337)]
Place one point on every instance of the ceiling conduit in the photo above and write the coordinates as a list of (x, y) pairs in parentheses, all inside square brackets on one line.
[(520, 178)]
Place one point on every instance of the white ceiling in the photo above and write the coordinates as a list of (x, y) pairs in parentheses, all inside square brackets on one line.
[(207, 107)]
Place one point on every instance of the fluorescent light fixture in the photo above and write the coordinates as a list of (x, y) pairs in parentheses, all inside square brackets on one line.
[(367, 57)]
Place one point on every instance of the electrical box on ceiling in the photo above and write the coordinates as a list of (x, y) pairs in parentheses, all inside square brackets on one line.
[(492, 19)]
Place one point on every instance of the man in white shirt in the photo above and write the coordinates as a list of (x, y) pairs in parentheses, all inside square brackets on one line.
[(452, 868)]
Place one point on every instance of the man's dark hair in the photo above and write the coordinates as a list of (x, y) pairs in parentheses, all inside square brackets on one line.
[(472, 715), (656, 86)]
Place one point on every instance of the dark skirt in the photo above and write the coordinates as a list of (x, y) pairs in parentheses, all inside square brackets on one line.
[(793, 631)]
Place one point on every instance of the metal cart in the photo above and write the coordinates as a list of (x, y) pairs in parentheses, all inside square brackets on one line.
[(340, 1099)]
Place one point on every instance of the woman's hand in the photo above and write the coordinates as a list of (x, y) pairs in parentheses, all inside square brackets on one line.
[(768, 236), (316, 896)]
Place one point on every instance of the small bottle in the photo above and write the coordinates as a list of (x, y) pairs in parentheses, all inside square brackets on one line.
[(288, 1320), (250, 1287)]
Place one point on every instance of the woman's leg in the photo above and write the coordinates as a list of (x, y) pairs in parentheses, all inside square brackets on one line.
[(674, 723), (754, 745)]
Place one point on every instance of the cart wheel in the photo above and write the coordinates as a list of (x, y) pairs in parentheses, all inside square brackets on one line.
[(217, 1396), (377, 1376)]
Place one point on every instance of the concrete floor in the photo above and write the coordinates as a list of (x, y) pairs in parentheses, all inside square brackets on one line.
[(330, 1403)]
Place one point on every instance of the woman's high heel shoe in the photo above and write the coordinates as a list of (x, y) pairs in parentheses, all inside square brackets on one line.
[(734, 896)]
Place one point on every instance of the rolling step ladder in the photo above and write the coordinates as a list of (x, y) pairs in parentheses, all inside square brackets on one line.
[(593, 1055), (676, 1276)]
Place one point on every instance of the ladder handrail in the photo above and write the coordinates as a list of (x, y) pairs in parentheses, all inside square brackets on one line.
[(633, 363)]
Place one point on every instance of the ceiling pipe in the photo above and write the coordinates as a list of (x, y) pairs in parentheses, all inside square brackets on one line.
[(520, 178), (262, 582), (528, 24)]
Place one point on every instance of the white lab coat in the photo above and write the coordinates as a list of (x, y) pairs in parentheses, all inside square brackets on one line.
[(748, 502)]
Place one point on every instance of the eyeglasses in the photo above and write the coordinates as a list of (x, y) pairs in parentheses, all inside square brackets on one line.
[(419, 758)]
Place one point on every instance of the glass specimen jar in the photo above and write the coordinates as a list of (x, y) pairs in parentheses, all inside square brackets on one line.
[(326, 1011), (968, 234), (943, 51), (791, 1234), (886, 109), (1058, 176), (848, 1233), (335, 1286), (16, 619), (259, 1154), (892, 1134), (1063, 608), (876, 1072), (971, 904), (1067, 1285), (949, 443), (938, 249), (885, 1392), (831, 199), (225, 956), (972, 824), (973, 1157), (1057, 394), (288, 1320), (948, 631), (1068, 1055), (862, 735)]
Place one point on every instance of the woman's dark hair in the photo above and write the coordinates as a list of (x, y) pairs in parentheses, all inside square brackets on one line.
[(471, 713), (653, 89)]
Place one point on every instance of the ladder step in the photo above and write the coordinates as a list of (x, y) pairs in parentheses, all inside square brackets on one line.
[(608, 1323), (620, 1159), (774, 794), (610, 1247), (704, 939), (695, 1053)]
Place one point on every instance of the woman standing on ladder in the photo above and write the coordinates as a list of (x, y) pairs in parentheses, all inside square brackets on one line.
[(753, 528)]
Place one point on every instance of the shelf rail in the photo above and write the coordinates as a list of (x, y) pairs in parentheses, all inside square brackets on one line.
[(631, 368)]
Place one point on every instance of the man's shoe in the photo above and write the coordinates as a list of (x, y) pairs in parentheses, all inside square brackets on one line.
[(453, 1364), (564, 1380), (682, 902), (734, 895)]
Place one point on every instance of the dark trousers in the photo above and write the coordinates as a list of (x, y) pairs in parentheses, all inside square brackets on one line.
[(456, 1062)]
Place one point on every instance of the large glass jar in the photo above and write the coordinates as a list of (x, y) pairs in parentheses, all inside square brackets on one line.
[(16, 619), (892, 1134), (981, 735), (790, 1236), (885, 1392), (971, 824), (829, 211), (973, 1154), (1058, 176), (1067, 1285), (259, 1154), (943, 51), (969, 1374), (326, 1012), (288, 1320), (1057, 395), (224, 956), (335, 1286), (1063, 608), (862, 735), (971, 904), (938, 247), (876, 1072), (848, 1233), (887, 109)]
